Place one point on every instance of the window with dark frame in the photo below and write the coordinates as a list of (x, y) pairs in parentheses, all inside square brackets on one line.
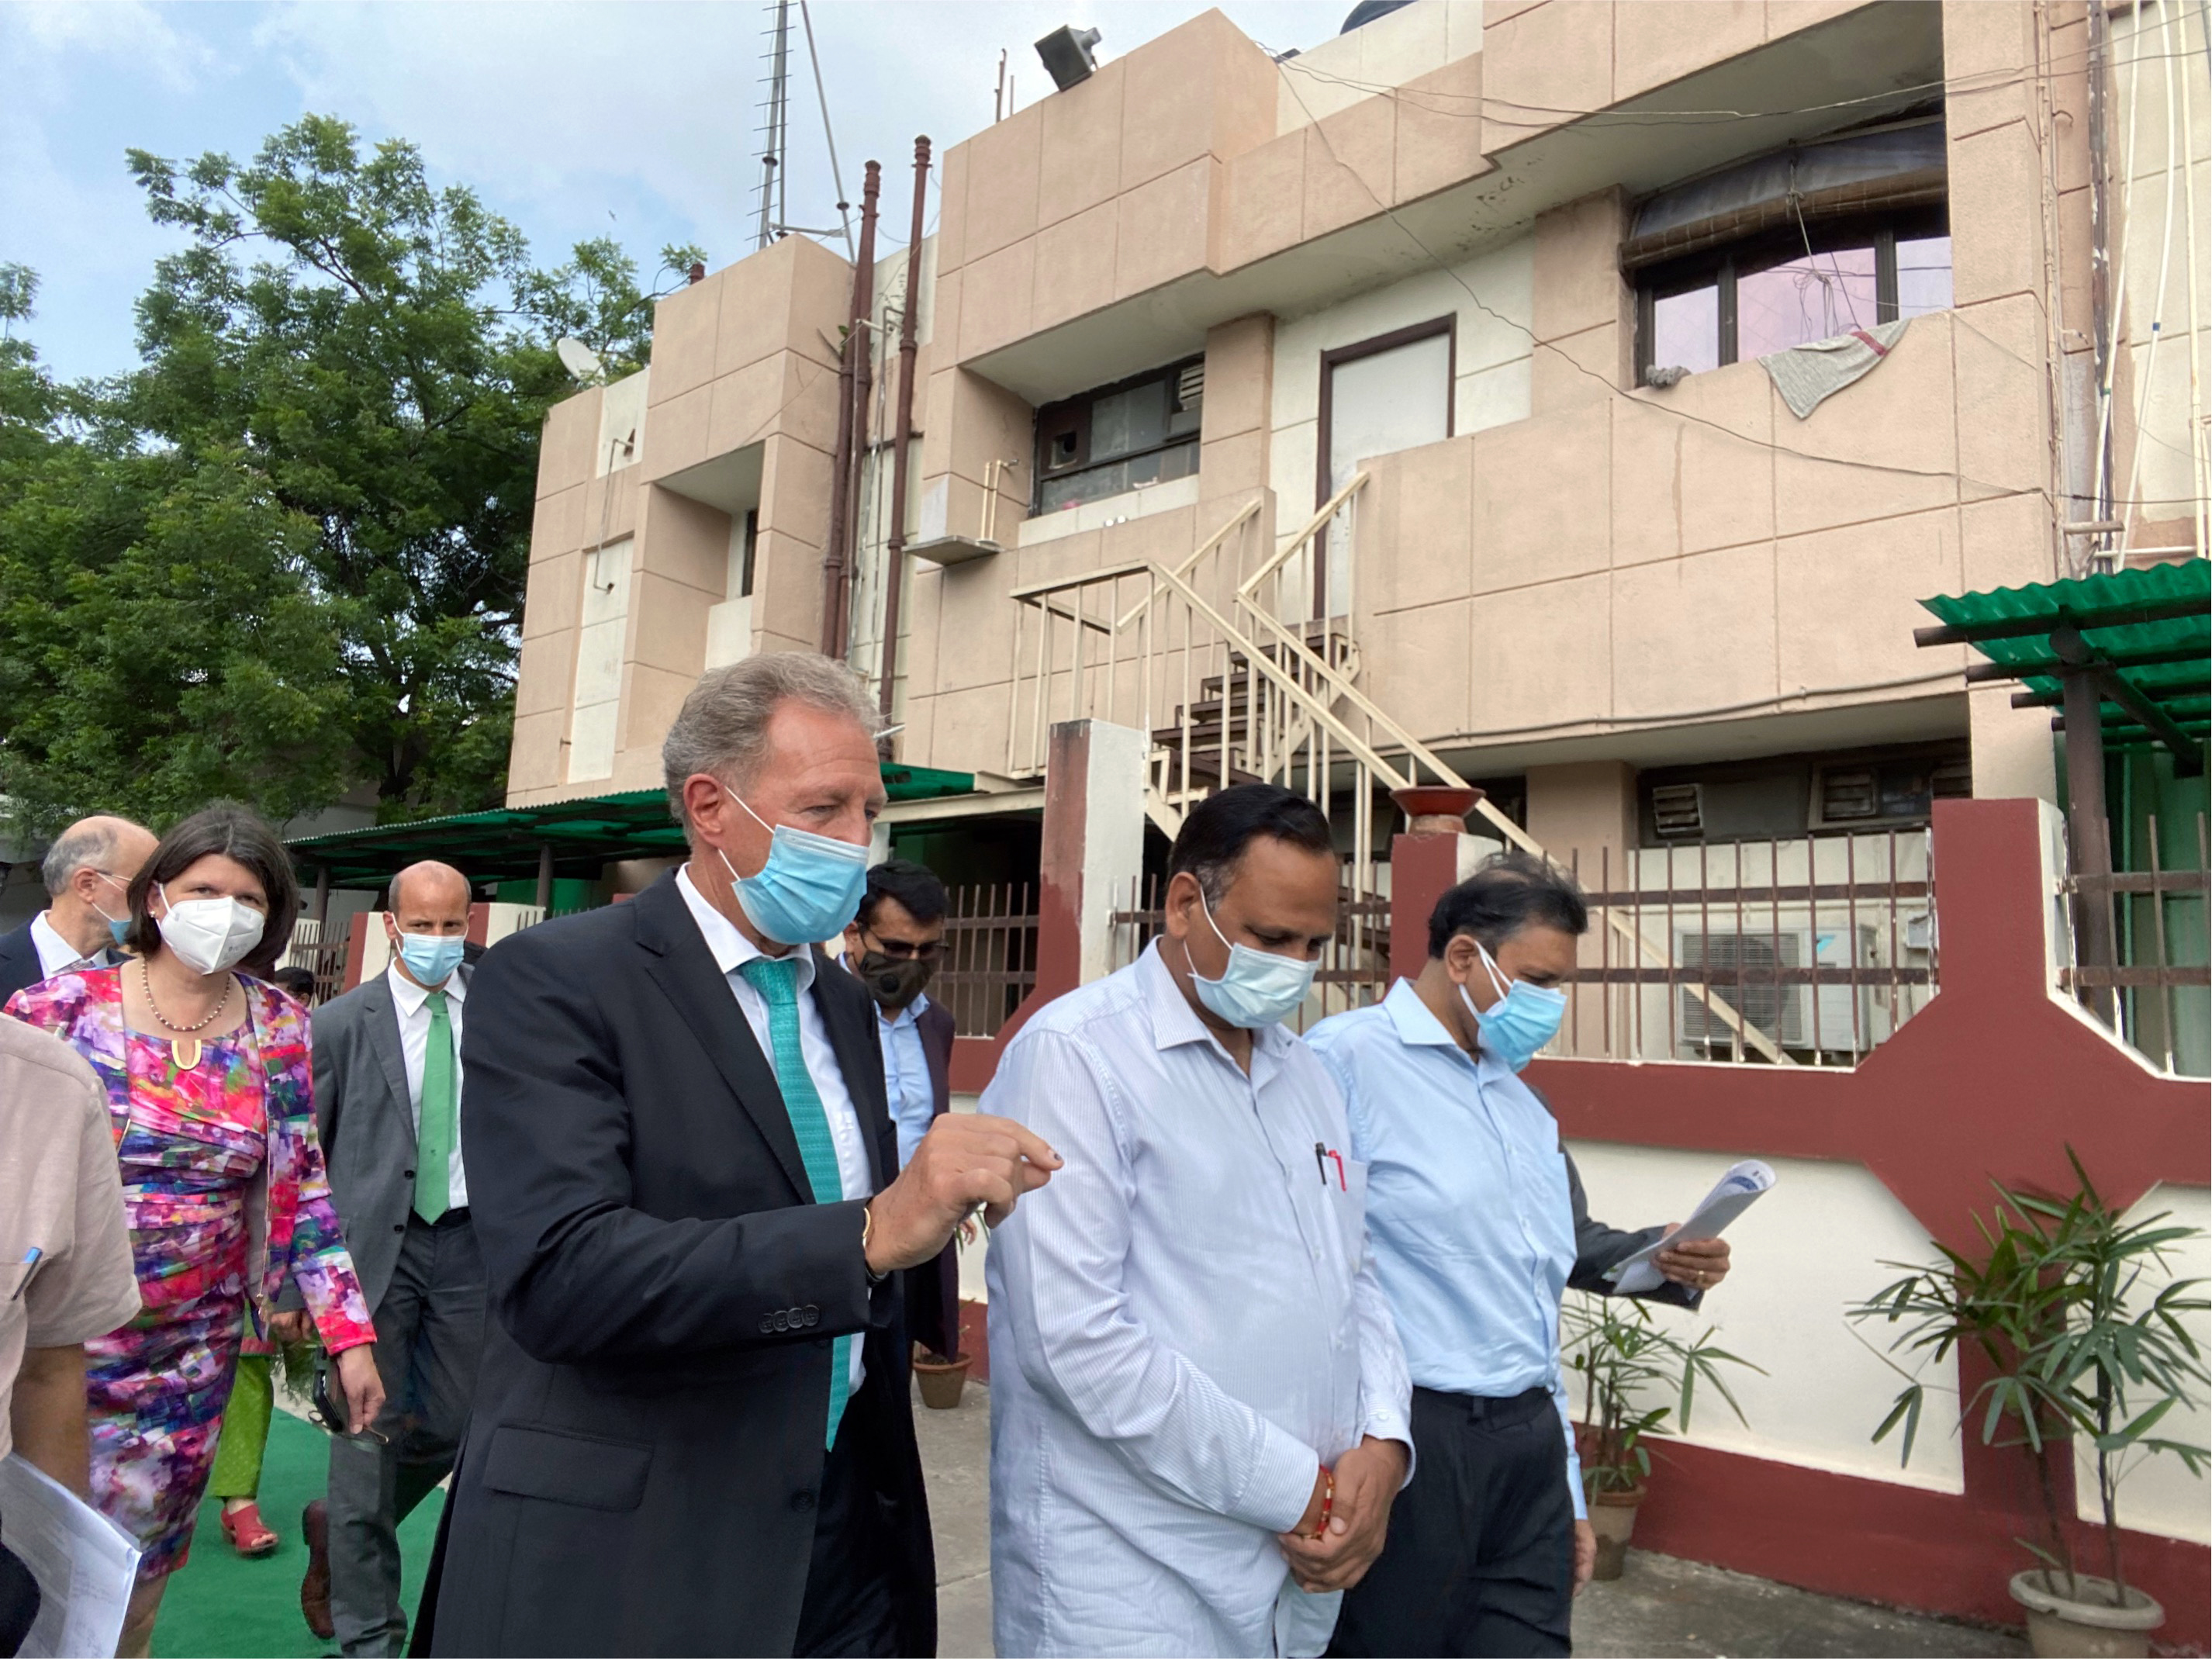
[(1768, 292), (750, 547), (1409, 420), (1114, 438)]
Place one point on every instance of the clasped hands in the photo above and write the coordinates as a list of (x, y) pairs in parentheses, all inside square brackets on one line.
[(1367, 1478), (968, 1160)]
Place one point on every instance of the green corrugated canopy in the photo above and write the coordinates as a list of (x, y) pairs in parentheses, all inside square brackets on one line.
[(505, 843), (2151, 629)]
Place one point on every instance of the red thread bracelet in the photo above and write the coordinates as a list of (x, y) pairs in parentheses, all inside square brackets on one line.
[(1328, 1502)]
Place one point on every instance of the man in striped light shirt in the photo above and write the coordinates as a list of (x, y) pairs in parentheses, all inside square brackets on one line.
[(1199, 1418)]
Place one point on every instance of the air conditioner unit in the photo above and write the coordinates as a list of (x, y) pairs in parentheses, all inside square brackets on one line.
[(1784, 1014)]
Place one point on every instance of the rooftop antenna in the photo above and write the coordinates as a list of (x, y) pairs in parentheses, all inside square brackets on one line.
[(836, 177), (775, 132)]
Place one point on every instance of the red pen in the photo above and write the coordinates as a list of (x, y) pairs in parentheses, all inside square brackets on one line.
[(1341, 1185)]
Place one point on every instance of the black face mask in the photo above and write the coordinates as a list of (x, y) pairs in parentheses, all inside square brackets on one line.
[(894, 981)]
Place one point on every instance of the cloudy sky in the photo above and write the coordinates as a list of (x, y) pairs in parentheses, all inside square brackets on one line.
[(635, 119)]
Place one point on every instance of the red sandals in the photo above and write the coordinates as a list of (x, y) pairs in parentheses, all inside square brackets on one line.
[(247, 1532)]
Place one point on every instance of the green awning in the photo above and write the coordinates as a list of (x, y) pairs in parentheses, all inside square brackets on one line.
[(505, 843), (2146, 635)]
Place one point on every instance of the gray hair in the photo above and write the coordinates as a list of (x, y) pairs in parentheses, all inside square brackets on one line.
[(722, 728), (91, 842)]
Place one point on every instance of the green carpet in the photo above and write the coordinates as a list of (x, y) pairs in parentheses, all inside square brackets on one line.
[(221, 1606)]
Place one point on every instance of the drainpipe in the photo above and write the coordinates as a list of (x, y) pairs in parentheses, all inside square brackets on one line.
[(903, 432), (854, 375), (2101, 274)]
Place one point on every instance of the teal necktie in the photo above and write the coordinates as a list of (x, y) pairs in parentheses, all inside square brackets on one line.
[(433, 1130), (776, 978)]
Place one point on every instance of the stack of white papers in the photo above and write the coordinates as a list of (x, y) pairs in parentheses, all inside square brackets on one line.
[(1738, 1189), (84, 1563)]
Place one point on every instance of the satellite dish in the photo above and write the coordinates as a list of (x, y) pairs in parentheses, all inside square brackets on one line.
[(579, 359)]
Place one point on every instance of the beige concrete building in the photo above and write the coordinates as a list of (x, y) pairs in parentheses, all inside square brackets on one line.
[(1413, 408), (1428, 270)]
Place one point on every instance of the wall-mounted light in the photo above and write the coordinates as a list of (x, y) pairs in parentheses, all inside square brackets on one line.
[(1068, 54)]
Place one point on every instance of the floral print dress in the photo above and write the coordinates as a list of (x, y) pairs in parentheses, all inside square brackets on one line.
[(224, 1185)]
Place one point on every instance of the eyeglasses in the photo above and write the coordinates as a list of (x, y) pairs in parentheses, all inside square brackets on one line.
[(901, 951)]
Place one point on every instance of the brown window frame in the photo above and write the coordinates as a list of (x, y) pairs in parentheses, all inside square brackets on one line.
[(1374, 346), (1073, 414), (1719, 267)]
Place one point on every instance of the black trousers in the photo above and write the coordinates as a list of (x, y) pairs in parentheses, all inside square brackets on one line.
[(19, 1601), (847, 1611), (1480, 1556)]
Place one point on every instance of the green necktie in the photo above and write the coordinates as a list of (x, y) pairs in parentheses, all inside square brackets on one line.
[(776, 978), (433, 1130)]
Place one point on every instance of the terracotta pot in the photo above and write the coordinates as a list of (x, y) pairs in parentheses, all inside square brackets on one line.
[(1435, 809), (1613, 1518), (2059, 1627), (942, 1380)]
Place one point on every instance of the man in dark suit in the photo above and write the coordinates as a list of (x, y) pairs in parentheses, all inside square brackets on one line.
[(692, 1432), (86, 870), (388, 1113), (895, 944)]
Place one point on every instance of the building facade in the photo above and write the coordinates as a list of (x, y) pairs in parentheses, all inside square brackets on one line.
[(1425, 403)]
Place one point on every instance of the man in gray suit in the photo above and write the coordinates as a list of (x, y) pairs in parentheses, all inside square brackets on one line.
[(387, 1106)]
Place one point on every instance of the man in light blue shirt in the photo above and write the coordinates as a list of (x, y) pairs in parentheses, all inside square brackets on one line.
[(894, 945), (1198, 1413), (1477, 1230)]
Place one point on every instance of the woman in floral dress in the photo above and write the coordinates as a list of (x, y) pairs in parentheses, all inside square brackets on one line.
[(208, 1087)]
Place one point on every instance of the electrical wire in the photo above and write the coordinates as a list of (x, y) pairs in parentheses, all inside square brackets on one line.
[(1978, 81), (844, 213)]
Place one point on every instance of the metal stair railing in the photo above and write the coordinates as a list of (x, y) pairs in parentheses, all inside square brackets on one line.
[(1201, 657)]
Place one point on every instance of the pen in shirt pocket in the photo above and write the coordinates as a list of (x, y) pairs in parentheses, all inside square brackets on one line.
[(31, 1264)]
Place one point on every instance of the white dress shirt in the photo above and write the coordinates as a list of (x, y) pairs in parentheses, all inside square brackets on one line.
[(57, 956), (1188, 1323), (730, 949), (412, 1004)]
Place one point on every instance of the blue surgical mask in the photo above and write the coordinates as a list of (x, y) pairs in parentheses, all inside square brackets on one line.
[(117, 925), (809, 889), (1523, 1020), (1259, 989), (431, 957)]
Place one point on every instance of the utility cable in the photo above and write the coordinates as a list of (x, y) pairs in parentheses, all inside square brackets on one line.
[(844, 212)]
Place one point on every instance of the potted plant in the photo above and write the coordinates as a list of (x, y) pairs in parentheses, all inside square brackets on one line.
[(2076, 1353), (942, 1377), (1624, 1356)]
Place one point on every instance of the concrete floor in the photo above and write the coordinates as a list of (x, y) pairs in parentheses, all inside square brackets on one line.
[(1659, 1609)]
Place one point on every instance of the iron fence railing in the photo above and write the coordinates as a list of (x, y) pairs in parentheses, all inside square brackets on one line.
[(1805, 952), (2158, 994), (990, 960), (325, 959)]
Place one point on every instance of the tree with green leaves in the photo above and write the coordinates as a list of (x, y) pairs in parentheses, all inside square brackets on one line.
[(379, 350)]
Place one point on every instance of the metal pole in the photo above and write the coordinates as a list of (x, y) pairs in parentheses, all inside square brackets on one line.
[(902, 430), (832, 642), (2100, 281), (322, 909), (545, 875), (864, 375), (2089, 828)]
